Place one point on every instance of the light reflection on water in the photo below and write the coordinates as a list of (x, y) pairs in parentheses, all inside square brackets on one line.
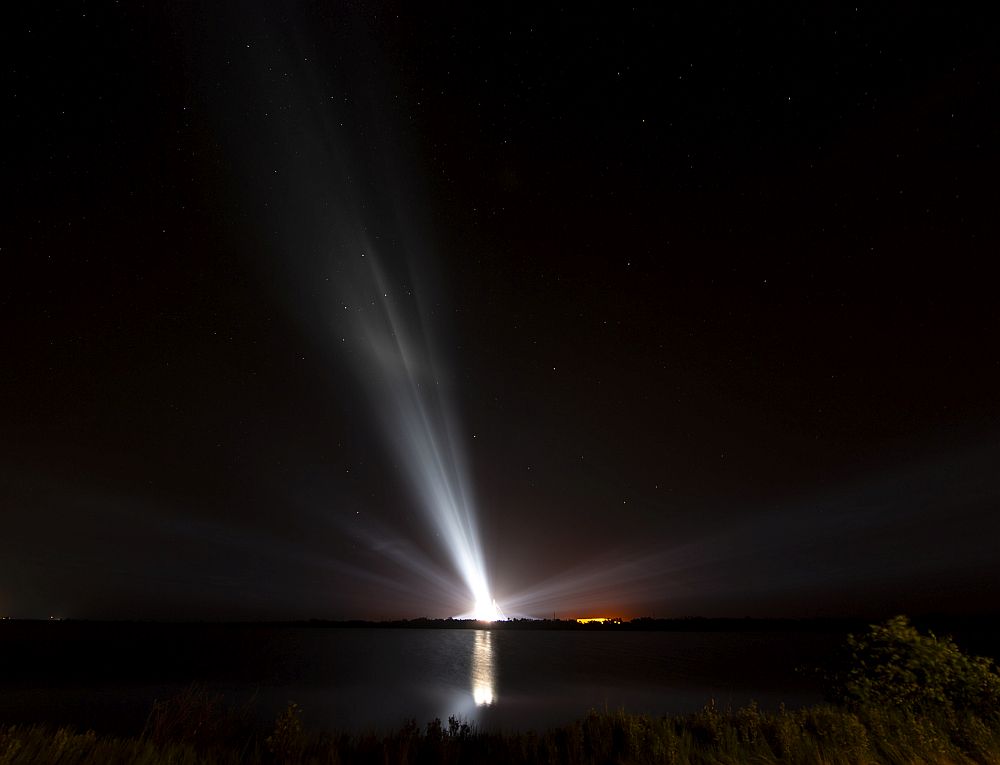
[(357, 679), (483, 670)]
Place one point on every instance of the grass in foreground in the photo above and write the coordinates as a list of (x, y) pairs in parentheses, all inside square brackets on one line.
[(822, 734)]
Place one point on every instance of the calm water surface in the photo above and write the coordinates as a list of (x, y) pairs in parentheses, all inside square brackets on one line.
[(360, 678)]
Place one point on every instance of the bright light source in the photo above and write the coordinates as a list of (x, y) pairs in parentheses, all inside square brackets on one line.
[(487, 610)]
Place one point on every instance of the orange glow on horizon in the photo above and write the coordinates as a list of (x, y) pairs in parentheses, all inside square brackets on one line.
[(599, 620)]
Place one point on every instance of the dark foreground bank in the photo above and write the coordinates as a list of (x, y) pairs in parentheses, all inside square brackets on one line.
[(823, 734)]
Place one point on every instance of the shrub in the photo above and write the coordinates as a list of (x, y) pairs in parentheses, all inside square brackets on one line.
[(894, 665)]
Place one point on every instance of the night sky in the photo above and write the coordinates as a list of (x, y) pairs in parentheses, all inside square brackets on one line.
[(710, 295)]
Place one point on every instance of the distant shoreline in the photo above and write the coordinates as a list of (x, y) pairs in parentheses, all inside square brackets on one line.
[(938, 623)]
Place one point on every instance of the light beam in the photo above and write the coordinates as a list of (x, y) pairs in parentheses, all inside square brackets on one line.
[(408, 389)]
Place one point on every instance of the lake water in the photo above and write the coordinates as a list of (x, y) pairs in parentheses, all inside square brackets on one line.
[(108, 675)]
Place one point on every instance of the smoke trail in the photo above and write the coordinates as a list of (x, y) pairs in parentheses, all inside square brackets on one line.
[(330, 170), (407, 389)]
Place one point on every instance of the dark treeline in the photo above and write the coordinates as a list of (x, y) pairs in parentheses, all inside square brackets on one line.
[(939, 623), (977, 632)]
